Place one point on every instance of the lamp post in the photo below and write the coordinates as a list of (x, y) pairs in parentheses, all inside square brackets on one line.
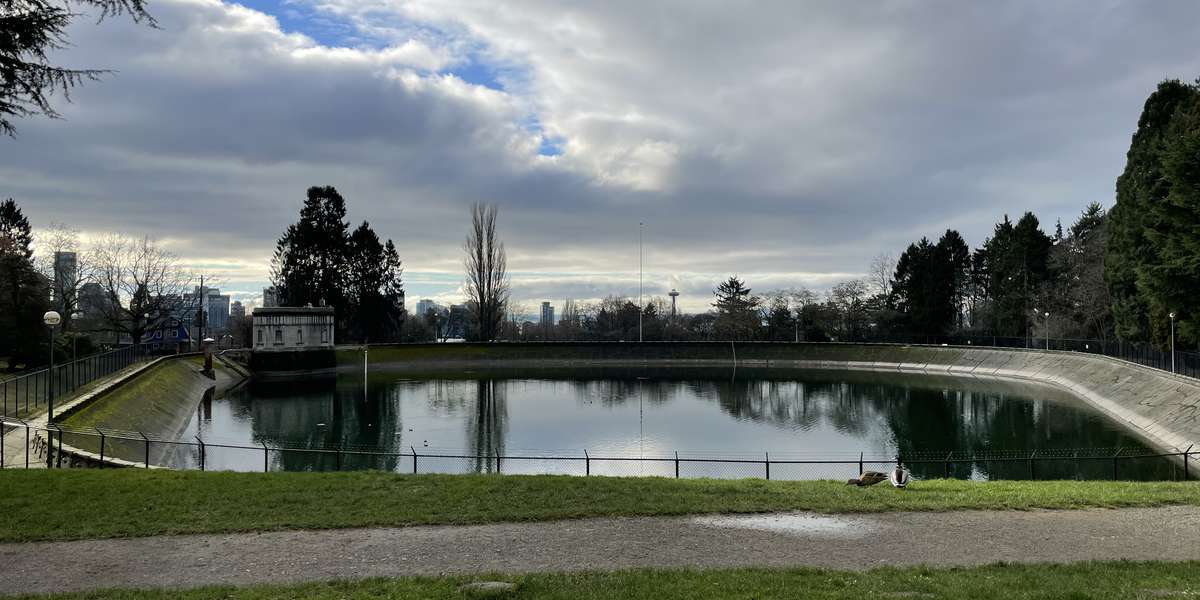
[(51, 319), (1029, 329), (1172, 315), (75, 317), (1047, 330)]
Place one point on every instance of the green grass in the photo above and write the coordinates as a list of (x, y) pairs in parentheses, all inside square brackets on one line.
[(72, 504), (1084, 580)]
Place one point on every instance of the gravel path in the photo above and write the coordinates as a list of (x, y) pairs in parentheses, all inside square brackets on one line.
[(777, 540)]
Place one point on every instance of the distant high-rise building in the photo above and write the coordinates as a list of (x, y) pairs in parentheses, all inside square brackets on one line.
[(236, 310), (424, 306), (66, 275), (270, 300), (215, 306), (547, 313)]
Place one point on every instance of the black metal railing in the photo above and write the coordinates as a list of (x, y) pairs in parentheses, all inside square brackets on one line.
[(29, 392), (28, 445)]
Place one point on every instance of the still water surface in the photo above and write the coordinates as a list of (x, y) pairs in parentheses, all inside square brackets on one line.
[(645, 413)]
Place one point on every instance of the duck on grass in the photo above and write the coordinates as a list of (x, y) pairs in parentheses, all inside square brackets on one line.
[(899, 477)]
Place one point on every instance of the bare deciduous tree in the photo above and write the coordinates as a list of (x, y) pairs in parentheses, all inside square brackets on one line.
[(487, 272), (145, 288), (883, 268)]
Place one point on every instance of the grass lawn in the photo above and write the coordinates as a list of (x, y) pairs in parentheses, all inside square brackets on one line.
[(73, 504), (1085, 580)]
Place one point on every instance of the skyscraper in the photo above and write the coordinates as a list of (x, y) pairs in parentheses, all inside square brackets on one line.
[(66, 276), (424, 306), (236, 310), (547, 314)]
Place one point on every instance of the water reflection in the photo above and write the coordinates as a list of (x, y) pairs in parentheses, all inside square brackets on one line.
[(648, 412)]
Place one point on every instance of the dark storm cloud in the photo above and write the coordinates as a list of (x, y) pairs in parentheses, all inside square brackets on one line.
[(777, 140)]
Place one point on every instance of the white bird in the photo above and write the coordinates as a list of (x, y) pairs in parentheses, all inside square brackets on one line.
[(899, 476)]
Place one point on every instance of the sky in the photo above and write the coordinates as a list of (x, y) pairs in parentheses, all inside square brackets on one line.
[(786, 142)]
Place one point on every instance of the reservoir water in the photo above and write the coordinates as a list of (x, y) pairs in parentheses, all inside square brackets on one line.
[(637, 414)]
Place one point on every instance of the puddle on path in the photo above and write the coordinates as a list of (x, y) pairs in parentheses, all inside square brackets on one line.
[(809, 525)]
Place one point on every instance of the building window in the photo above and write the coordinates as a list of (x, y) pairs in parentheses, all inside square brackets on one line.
[(260, 337), (278, 337), (324, 335), (299, 337)]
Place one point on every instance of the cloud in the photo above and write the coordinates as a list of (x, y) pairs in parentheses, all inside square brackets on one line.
[(786, 142)]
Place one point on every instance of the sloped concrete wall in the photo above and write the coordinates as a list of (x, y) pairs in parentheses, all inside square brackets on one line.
[(1161, 407)]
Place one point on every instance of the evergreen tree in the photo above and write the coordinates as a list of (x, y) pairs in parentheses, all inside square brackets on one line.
[(1141, 190), (375, 293), (781, 327), (956, 266), (309, 267), (30, 32), (23, 292), (925, 284), (1168, 278), (737, 310), (1016, 262), (1076, 289)]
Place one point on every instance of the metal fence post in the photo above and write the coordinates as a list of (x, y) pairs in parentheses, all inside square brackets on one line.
[(1115, 455), (860, 463), (58, 461), (338, 457), (2, 432), (266, 457), (1031, 457), (201, 452), (497, 462), (101, 447), (1185, 461), (147, 448), (49, 449), (676, 464), (587, 463), (767, 464), (948, 455), (414, 451), (26, 445)]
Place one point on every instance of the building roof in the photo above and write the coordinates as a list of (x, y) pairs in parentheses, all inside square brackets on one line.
[(293, 310)]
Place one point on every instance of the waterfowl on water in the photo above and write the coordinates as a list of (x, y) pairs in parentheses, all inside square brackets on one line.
[(899, 476), (868, 478)]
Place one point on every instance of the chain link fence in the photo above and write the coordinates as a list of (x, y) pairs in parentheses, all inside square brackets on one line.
[(27, 445)]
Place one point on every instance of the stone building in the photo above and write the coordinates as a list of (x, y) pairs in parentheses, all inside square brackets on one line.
[(290, 339)]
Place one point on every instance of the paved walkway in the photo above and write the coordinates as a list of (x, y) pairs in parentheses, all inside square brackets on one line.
[(778, 540), (15, 449)]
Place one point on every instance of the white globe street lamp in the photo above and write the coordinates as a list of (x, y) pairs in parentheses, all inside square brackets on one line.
[(51, 319), (1047, 330), (1172, 315)]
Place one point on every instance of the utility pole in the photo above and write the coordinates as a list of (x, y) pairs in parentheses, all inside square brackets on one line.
[(201, 296), (641, 309)]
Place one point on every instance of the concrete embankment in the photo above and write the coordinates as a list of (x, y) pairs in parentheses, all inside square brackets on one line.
[(160, 401), (1162, 408)]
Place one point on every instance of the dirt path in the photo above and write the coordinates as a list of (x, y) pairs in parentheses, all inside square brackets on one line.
[(843, 542)]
